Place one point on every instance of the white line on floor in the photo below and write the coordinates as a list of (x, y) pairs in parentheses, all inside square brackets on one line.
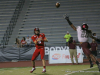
[(80, 71)]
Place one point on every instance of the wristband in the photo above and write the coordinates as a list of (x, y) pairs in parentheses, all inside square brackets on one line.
[(70, 23), (42, 39), (36, 41)]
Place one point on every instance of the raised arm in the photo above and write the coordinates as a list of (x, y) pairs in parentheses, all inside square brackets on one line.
[(69, 22), (90, 34)]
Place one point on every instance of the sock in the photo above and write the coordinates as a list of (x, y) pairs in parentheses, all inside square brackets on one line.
[(33, 66), (97, 62), (44, 67), (90, 61)]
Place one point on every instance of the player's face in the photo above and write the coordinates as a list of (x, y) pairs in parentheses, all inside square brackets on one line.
[(94, 34), (17, 39), (28, 37), (36, 32), (22, 38), (93, 40), (84, 27)]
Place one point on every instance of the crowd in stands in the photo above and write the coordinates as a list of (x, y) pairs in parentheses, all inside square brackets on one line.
[(25, 42)]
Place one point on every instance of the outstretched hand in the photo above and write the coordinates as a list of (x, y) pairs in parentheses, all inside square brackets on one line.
[(69, 22)]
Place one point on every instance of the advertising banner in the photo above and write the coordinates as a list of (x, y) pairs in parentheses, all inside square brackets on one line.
[(63, 56)]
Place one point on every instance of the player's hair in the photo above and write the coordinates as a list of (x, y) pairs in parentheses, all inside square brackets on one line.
[(36, 29), (71, 40), (24, 38), (94, 34), (17, 41), (85, 28)]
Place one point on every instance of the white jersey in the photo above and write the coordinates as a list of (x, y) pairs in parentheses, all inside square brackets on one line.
[(82, 37), (28, 40)]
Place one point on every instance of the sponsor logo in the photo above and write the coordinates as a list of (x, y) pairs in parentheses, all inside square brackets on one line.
[(56, 56), (68, 56)]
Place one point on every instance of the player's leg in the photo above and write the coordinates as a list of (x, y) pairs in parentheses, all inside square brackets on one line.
[(95, 60), (91, 64), (95, 54), (91, 56), (87, 52), (44, 65), (71, 55), (33, 64), (66, 43), (35, 54), (75, 55), (42, 53)]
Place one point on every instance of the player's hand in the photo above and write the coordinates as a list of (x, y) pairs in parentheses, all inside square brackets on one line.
[(39, 39), (66, 16)]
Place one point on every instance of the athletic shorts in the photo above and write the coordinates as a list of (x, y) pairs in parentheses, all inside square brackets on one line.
[(85, 46), (94, 53), (37, 52)]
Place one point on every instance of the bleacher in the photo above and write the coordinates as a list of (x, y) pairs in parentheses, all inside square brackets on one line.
[(7, 8), (44, 14)]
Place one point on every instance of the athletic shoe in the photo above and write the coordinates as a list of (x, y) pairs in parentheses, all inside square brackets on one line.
[(32, 70), (91, 65), (44, 70)]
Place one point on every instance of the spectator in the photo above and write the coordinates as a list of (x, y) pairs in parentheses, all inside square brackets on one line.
[(72, 50), (17, 42), (67, 37), (28, 41), (23, 42), (94, 35), (94, 48), (98, 40)]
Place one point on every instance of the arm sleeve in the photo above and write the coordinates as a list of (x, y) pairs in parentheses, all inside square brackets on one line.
[(33, 38), (78, 28), (44, 36)]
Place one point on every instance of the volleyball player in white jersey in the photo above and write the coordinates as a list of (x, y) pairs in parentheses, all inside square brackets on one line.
[(83, 34)]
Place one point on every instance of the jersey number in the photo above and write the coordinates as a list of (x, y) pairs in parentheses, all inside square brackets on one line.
[(84, 36)]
